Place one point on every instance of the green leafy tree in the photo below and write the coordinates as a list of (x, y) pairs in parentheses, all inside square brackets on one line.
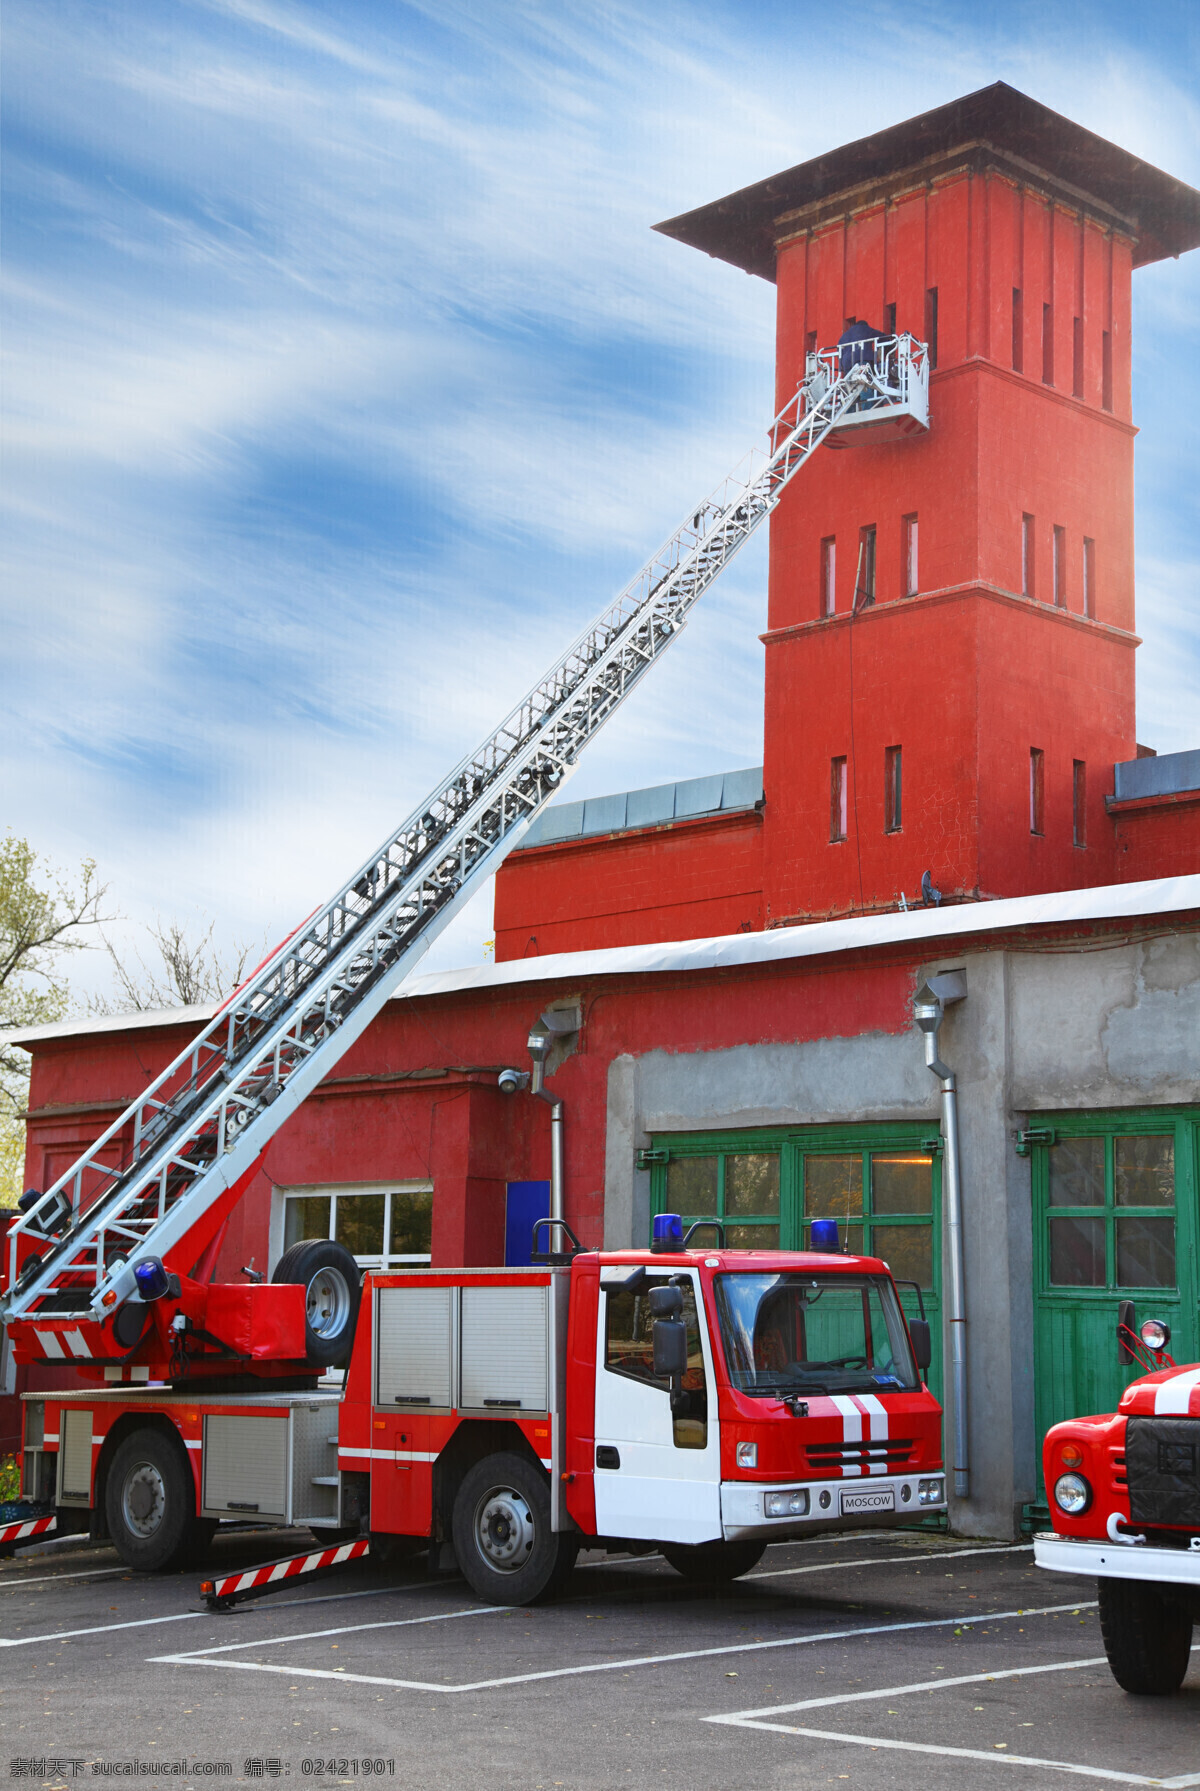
[(43, 919)]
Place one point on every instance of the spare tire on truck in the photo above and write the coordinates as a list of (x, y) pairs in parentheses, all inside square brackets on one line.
[(330, 1277)]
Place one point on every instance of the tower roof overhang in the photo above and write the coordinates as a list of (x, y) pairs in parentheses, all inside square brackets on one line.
[(996, 126)]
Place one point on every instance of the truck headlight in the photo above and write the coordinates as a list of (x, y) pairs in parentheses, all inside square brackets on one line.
[(786, 1504), (1072, 1494), (931, 1492), (747, 1455)]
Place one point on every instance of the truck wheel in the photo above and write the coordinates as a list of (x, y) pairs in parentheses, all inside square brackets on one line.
[(502, 1537), (330, 1277), (713, 1562), (1147, 1637), (150, 1504)]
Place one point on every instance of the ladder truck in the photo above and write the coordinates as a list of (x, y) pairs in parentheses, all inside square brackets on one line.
[(1125, 1492), (200, 1401)]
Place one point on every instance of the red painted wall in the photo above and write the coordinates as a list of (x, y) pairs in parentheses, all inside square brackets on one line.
[(971, 674), (687, 880), (1159, 837), (991, 659)]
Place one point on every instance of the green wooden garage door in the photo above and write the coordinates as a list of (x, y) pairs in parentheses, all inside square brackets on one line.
[(1114, 1219)]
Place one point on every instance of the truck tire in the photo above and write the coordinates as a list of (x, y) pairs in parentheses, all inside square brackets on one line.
[(502, 1537), (150, 1504), (330, 1277), (1147, 1637), (713, 1563)]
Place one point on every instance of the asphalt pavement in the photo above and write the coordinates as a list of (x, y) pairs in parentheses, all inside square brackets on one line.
[(904, 1660)]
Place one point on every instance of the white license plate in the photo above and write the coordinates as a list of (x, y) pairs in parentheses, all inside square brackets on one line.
[(879, 1498)]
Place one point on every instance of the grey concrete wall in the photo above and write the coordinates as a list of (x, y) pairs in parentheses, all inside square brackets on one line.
[(1114, 1027)]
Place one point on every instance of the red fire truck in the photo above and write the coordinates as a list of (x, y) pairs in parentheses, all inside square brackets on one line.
[(1125, 1492), (708, 1401), (704, 1402)]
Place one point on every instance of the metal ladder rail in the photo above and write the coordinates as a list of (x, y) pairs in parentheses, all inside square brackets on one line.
[(532, 751)]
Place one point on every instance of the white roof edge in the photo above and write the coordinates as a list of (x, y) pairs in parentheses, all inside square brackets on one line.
[(90, 1024), (1112, 901)]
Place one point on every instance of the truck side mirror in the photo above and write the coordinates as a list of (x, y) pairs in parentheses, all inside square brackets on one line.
[(922, 1342), (666, 1301), (670, 1348)]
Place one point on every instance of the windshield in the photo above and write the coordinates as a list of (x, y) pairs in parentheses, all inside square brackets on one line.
[(806, 1333)]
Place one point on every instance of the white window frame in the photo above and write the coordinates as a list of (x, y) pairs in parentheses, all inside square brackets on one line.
[(333, 1190)]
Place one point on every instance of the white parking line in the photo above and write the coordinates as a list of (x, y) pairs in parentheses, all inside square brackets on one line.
[(284, 1604), (880, 1743), (776, 1573), (756, 1719), (205, 1657), (90, 1573)]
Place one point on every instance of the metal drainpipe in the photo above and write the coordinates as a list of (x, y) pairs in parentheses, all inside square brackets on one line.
[(539, 1046), (929, 1012)]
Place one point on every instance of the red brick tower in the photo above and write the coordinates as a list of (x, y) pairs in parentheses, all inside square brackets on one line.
[(964, 718)]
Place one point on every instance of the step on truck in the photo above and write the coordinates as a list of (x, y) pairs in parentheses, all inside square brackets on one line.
[(1124, 1492), (702, 1400)]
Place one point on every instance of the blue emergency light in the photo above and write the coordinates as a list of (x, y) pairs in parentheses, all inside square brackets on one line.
[(825, 1235), (152, 1278), (667, 1232)]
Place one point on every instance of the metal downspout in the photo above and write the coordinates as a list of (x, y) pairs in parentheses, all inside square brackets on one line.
[(537, 1087), (929, 1010)]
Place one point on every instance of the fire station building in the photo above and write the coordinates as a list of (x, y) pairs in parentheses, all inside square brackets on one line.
[(721, 973)]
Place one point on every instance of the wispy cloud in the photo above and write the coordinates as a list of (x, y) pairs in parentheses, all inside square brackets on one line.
[(346, 381)]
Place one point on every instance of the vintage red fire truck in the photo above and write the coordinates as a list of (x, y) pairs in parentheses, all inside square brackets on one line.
[(1125, 1497), (708, 1401)]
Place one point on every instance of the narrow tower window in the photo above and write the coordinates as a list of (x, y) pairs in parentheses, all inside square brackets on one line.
[(931, 324), (1106, 391), (1079, 800), (889, 320), (1089, 577), (908, 555), (864, 594), (893, 790), (1077, 360), (1018, 332), (837, 800), (1037, 794), (1027, 556), (829, 575), (1047, 345), (1060, 567)]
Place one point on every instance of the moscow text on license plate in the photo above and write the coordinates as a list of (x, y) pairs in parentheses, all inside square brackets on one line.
[(881, 1498)]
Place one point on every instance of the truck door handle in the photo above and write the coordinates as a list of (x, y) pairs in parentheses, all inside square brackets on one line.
[(607, 1456)]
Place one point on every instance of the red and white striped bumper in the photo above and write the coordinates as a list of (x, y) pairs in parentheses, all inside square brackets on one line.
[(26, 1530), (255, 1581)]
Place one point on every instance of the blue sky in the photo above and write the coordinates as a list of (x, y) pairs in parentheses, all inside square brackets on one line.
[(346, 381)]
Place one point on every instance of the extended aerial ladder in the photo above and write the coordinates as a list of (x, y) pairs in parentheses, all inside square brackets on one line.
[(162, 1179)]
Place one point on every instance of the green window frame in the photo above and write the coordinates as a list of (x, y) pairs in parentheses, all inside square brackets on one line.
[(768, 1186), (904, 1240)]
